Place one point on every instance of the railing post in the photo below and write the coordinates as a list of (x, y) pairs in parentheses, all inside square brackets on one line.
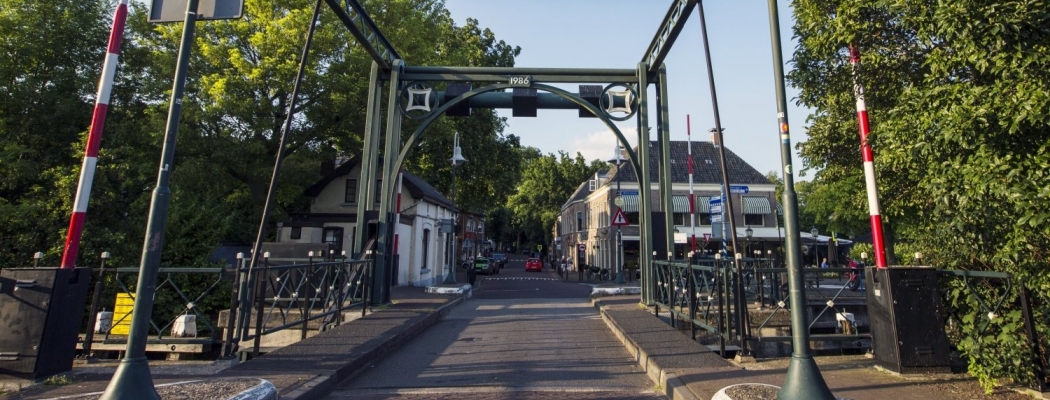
[(260, 298), (366, 282), (89, 337), (691, 281), (247, 278), (231, 318), (1033, 341), (719, 281), (344, 271)]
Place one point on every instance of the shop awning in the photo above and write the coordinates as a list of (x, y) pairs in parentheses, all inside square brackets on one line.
[(681, 204), (630, 202), (703, 204), (755, 205)]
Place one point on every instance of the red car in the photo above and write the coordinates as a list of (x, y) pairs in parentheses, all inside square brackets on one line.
[(533, 264)]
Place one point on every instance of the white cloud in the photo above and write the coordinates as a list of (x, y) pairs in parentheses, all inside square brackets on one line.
[(600, 145)]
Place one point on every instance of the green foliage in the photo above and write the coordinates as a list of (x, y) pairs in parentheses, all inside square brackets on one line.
[(547, 183), (237, 97), (957, 94), (47, 46)]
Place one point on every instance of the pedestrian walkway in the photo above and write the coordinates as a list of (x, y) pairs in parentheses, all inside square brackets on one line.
[(682, 367)]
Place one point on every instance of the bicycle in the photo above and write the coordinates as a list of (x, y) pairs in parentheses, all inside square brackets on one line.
[(854, 276), (602, 274)]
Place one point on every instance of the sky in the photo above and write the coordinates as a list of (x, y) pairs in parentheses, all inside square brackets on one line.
[(616, 34)]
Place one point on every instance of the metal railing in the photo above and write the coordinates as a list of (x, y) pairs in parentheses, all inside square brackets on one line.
[(991, 305), (702, 293), (272, 298), (192, 290), (264, 301)]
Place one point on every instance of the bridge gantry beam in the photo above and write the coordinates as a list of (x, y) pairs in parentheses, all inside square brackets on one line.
[(672, 25), (365, 30)]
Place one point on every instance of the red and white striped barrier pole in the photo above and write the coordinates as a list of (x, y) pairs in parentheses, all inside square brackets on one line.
[(98, 119), (878, 245)]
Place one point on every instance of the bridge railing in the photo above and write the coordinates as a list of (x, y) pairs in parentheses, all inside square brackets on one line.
[(273, 298), (984, 311), (279, 294), (180, 292)]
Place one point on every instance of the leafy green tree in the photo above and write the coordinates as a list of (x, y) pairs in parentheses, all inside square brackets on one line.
[(52, 58), (548, 181), (957, 93)]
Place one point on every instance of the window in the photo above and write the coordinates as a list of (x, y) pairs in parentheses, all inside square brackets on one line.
[(703, 219), (426, 248), (351, 192), (297, 233), (579, 221), (334, 236), (632, 217), (754, 219), (681, 219)]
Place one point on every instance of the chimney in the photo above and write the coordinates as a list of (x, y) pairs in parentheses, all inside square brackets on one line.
[(714, 137)]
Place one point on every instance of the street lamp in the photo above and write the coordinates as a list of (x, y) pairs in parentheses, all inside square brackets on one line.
[(749, 232), (816, 251), (457, 159), (618, 160)]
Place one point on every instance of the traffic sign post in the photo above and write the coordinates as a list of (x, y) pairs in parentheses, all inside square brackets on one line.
[(619, 219)]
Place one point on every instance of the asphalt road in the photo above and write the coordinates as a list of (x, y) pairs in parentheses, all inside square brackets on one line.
[(524, 335)]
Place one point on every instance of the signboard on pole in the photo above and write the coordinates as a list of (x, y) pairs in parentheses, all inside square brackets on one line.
[(680, 238), (175, 10), (739, 189), (619, 219), (716, 210), (629, 192), (581, 247)]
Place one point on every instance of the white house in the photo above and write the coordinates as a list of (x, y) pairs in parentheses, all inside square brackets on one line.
[(423, 252)]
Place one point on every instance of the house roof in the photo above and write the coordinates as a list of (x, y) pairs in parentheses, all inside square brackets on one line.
[(415, 185), (581, 193), (706, 165)]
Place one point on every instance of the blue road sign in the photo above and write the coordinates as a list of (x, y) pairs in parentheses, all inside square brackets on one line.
[(740, 189), (629, 192)]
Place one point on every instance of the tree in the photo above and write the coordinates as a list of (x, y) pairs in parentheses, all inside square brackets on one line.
[(548, 181), (237, 96), (957, 93), (52, 56)]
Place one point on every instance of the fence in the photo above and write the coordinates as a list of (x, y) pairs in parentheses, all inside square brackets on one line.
[(982, 309), (268, 299)]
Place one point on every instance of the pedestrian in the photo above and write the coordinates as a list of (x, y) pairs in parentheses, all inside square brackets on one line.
[(824, 264)]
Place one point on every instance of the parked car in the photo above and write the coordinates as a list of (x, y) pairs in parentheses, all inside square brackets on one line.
[(485, 266), (533, 264), (500, 259)]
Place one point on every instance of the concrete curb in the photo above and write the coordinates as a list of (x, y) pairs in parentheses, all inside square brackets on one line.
[(614, 291), (673, 386), (327, 381), (458, 290), (263, 391)]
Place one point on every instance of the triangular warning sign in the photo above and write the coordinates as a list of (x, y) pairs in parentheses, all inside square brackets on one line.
[(619, 219)]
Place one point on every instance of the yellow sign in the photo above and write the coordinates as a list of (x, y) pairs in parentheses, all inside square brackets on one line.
[(122, 314)]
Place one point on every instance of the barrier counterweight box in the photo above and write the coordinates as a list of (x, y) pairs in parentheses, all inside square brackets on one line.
[(907, 324), (41, 313)]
